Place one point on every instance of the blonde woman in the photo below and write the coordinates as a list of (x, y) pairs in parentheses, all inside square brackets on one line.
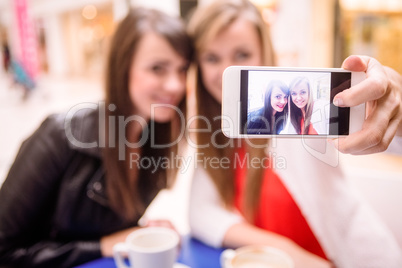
[(301, 106), (301, 205)]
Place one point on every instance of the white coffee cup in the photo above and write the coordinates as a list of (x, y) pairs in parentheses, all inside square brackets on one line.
[(148, 248), (256, 257)]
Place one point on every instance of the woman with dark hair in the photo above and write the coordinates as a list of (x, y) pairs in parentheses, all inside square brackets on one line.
[(77, 185), (271, 118), (301, 106)]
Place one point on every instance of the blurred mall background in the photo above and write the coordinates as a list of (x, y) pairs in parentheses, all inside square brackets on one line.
[(62, 44), (70, 37)]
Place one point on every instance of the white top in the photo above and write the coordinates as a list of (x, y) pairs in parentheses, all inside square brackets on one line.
[(349, 231)]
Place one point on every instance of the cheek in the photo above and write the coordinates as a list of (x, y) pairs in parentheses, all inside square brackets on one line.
[(208, 73), (133, 92), (137, 98), (139, 90), (255, 61), (208, 76)]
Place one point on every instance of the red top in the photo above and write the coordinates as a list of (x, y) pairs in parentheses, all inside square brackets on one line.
[(311, 130), (277, 211)]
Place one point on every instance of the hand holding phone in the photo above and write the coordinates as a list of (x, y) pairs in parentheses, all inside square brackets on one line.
[(269, 102), (382, 93)]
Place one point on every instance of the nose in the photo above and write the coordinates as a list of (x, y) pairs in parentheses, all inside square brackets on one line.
[(175, 83), (224, 64)]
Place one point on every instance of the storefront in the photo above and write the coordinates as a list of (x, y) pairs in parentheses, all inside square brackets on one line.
[(372, 28)]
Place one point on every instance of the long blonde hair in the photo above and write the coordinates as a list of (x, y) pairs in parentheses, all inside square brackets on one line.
[(296, 114), (205, 24)]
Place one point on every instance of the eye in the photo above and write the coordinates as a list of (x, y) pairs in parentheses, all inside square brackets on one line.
[(158, 69), (241, 56), (210, 58), (293, 94), (303, 92)]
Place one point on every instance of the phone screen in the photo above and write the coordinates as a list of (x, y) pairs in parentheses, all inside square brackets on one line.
[(276, 102)]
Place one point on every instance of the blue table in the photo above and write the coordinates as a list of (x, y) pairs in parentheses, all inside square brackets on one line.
[(193, 253)]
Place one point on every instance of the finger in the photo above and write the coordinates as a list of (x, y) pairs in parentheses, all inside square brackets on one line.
[(387, 139), (372, 133), (355, 64), (372, 88)]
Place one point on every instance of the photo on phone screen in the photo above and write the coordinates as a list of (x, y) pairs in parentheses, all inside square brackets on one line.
[(276, 102)]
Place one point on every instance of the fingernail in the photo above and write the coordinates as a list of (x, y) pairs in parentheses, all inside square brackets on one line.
[(338, 102)]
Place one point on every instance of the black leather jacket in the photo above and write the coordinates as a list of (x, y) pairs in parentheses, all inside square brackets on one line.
[(258, 124), (53, 208)]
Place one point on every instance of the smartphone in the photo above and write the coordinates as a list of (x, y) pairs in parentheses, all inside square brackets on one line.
[(270, 102)]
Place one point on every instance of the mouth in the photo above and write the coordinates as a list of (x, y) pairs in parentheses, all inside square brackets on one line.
[(168, 100), (280, 106)]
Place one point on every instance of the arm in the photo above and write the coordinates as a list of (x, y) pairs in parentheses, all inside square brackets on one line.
[(243, 234), (382, 91), (217, 226), (209, 219), (395, 147), (27, 198)]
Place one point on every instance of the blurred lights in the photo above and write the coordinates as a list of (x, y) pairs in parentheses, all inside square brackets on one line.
[(89, 12), (373, 5)]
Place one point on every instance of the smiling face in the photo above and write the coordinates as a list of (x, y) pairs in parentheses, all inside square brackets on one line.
[(278, 99), (300, 94), (237, 44), (157, 76)]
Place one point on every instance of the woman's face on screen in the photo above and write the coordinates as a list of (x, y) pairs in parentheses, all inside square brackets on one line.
[(237, 44), (300, 95), (278, 99)]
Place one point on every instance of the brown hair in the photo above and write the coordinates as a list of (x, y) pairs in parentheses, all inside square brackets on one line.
[(295, 112), (130, 190), (205, 24), (278, 123)]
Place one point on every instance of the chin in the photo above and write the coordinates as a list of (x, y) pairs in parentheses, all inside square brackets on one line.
[(164, 117)]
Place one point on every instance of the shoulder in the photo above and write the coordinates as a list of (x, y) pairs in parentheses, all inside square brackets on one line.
[(256, 115), (76, 129), (82, 122), (258, 112)]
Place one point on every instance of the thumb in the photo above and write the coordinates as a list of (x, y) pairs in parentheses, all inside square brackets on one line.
[(355, 64)]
